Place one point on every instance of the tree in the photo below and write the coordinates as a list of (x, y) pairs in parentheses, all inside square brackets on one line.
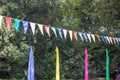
[(80, 15)]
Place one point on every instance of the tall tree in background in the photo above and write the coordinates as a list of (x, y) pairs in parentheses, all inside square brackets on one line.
[(80, 15)]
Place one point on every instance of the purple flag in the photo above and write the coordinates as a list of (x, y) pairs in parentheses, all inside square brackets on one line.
[(25, 26), (85, 37), (60, 32)]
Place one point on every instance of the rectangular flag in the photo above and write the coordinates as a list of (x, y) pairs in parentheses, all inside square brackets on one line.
[(57, 64), (107, 65), (86, 65), (31, 65)]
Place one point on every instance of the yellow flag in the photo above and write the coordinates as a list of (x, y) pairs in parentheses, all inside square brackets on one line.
[(71, 34), (93, 37), (57, 64), (110, 38)]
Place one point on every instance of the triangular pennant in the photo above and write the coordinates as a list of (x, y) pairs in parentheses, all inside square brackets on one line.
[(93, 37), (8, 22), (75, 35), (117, 40), (1, 18), (17, 24), (89, 37), (80, 34), (71, 34), (65, 33), (105, 39), (47, 29), (114, 40), (85, 37), (54, 31), (110, 38), (41, 28), (33, 27), (60, 32), (98, 37), (25, 26), (102, 38)]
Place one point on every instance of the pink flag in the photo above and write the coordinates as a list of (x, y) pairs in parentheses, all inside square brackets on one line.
[(75, 35), (86, 65), (8, 22), (47, 28)]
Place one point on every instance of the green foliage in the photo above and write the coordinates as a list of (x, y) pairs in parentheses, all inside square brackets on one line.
[(13, 54), (80, 15)]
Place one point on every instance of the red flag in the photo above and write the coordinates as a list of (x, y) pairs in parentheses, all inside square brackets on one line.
[(8, 22), (98, 37), (47, 28), (114, 40), (75, 35)]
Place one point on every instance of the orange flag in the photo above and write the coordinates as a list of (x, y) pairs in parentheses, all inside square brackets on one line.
[(98, 37)]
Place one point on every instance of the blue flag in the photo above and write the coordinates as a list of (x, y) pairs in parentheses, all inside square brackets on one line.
[(25, 26), (85, 37), (105, 38), (119, 40), (102, 37), (31, 65), (60, 32)]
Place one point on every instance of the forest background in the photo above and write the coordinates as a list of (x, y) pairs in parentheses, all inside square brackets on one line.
[(100, 17)]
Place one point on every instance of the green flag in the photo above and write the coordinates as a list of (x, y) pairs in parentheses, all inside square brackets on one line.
[(107, 66), (17, 24)]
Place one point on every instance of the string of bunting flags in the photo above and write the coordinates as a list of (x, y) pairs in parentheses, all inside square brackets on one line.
[(63, 35), (62, 32)]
